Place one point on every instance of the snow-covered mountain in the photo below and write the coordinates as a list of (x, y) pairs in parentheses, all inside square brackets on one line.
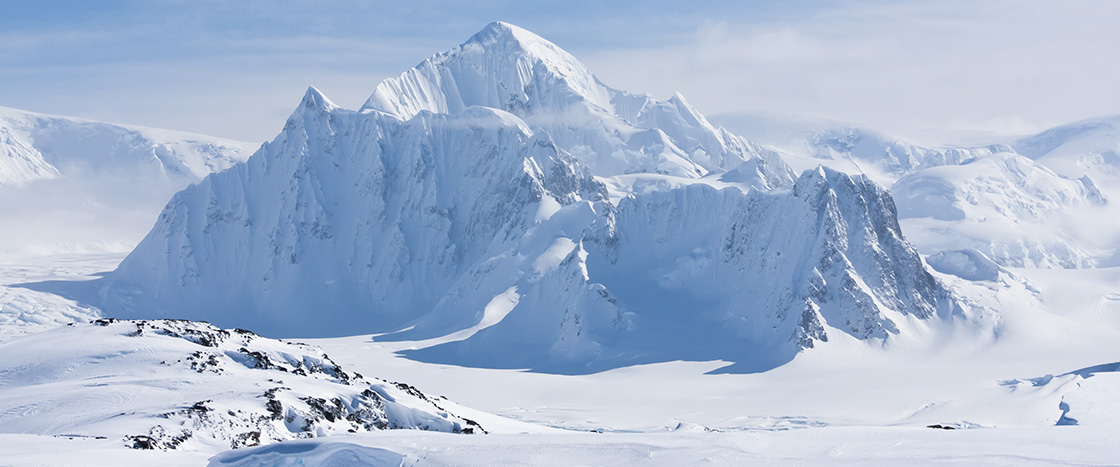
[(1004, 205), (613, 132), (1092, 144), (806, 142), (36, 146), (501, 202), (1000, 199), (185, 385), (79, 185)]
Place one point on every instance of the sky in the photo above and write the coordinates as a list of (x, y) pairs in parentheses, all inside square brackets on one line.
[(237, 69)]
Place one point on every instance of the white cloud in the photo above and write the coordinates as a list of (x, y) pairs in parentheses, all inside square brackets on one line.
[(900, 66)]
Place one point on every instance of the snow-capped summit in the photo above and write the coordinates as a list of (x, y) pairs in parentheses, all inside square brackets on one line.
[(504, 67), (315, 100), (613, 132)]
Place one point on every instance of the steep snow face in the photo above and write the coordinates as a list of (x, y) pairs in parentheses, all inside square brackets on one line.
[(359, 221), (613, 132), (772, 268), (1004, 205), (479, 233), (186, 385)]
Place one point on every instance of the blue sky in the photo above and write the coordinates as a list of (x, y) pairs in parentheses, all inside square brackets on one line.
[(236, 69)]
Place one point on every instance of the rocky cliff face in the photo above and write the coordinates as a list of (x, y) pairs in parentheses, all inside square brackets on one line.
[(775, 267)]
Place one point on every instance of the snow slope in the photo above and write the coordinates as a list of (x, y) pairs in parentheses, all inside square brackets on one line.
[(72, 185), (454, 216), (25, 311)]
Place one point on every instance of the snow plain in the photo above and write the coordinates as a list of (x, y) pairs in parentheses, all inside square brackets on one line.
[(1006, 389)]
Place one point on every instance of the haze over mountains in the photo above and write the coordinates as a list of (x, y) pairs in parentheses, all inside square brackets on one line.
[(79, 185)]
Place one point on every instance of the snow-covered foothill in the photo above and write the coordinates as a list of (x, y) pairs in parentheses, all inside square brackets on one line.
[(170, 385), (967, 264)]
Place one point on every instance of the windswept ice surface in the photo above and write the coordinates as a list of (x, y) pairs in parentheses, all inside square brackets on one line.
[(498, 197)]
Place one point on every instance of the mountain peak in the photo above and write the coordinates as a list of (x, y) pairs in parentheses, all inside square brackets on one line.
[(314, 99), (502, 66), (501, 30)]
